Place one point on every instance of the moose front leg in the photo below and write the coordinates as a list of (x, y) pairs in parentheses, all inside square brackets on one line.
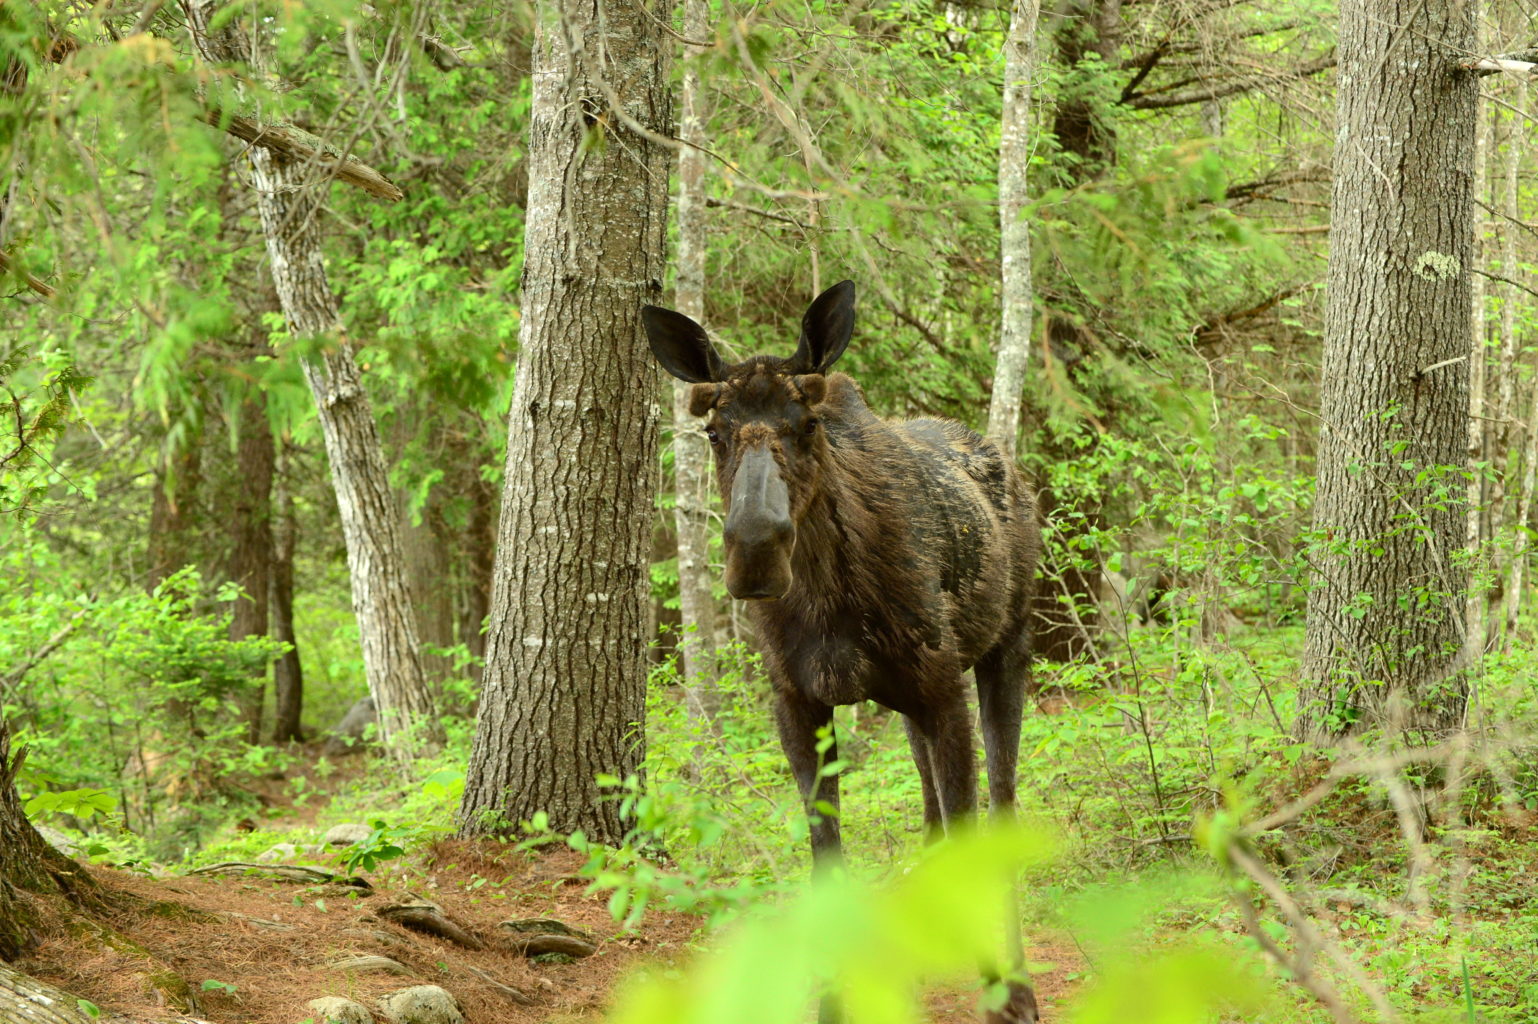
[(799, 722)]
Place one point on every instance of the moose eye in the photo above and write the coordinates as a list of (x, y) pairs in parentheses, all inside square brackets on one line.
[(810, 427), (714, 437)]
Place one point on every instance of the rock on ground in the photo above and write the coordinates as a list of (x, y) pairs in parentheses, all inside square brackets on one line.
[(336, 1010), (347, 835), (421, 1004)]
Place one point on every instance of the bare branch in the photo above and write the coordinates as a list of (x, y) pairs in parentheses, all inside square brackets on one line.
[(296, 144), (1523, 62), (1217, 90), (9, 265)]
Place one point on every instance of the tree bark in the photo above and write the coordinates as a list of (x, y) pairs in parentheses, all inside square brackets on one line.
[(1014, 231), (1475, 535), (287, 671), (691, 453), (251, 554), (564, 696), (290, 209), (1384, 643), (1518, 430), (176, 483), (28, 865)]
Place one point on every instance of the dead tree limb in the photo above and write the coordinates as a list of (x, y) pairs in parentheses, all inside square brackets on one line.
[(297, 145)]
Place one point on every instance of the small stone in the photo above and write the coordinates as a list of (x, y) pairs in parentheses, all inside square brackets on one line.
[(421, 1004), (347, 835), (336, 1010)]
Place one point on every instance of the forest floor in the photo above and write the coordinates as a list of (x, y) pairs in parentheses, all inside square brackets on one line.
[(255, 949)]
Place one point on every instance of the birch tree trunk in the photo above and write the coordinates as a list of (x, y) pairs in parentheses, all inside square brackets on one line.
[(1014, 231), (564, 694), (290, 208), (1475, 605), (691, 452), (1521, 433), (1384, 642)]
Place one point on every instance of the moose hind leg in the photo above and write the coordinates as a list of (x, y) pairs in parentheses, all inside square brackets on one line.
[(934, 822), (1002, 676), (945, 726)]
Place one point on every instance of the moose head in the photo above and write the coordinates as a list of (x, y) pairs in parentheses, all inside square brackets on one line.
[(765, 430)]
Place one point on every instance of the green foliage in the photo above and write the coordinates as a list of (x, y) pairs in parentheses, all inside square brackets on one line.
[(384, 843)]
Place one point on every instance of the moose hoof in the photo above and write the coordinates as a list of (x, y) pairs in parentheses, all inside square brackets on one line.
[(1019, 1008)]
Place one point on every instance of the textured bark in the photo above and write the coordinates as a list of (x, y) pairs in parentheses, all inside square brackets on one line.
[(480, 545), (566, 653), (691, 452), (25, 1000), (1474, 534), (250, 561), (1014, 230), (287, 672), (1384, 645), (1518, 432), (290, 209), (28, 865)]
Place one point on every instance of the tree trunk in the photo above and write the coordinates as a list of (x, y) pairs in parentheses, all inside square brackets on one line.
[(1014, 231), (290, 208), (1520, 433), (691, 453), (479, 558), (28, 865), (250, 561), (287, 673), (564, 696), (176, 482), (1475, 605), (1384, 636)]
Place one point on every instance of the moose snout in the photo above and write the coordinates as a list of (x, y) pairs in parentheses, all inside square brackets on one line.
[(759, 534)]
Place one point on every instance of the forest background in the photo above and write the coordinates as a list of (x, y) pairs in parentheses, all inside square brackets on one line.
[(268, 272)]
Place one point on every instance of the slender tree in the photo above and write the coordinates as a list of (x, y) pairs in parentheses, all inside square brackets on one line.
[(1384, 645), (1014, 231), (691, 453), (289, 198), (564, 692)]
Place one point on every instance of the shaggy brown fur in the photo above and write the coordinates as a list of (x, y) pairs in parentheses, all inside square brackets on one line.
[(882, 559)]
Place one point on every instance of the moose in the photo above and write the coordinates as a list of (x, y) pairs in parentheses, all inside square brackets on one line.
[(880, 560)]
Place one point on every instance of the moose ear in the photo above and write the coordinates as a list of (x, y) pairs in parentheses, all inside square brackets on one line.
[(826, 329), (681, 346)]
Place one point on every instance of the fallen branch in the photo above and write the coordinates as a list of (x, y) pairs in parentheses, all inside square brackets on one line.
[(9, 265), (295, 144)]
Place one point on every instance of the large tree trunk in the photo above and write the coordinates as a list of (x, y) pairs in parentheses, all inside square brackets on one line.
[(1014, 231), (564, 695), (1384, 637), (691, 453), (290, 208)]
